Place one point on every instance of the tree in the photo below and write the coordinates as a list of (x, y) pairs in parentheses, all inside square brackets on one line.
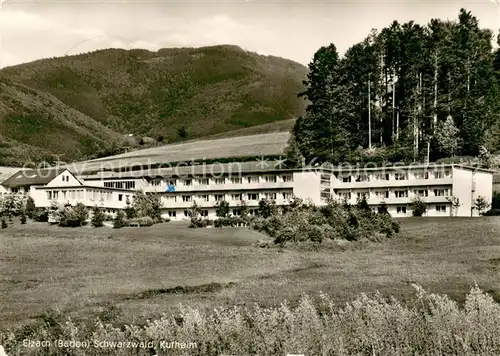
[(119, 220), (383, 209), (130, 211), (72, 216), (98, 217), (30, 208), (266, 208), (362, 204), (447, 136), (222, 209), (481, 204), (455, 204), (145, 205), (419, 207)]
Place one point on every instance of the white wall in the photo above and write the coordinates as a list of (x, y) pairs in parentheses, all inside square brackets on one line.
[(484, 187), (65, 179), (307, 186), (462, 189)]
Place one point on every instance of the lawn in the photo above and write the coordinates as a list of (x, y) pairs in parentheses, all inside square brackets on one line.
[(136, 273)]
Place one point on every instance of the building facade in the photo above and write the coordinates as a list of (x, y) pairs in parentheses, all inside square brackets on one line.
[(398, 187), (248, 183)]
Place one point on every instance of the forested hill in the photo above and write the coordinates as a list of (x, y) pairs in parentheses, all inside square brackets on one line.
[(81, 106), (407, 92)]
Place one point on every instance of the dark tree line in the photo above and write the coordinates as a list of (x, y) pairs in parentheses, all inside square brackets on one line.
[(407, 92)]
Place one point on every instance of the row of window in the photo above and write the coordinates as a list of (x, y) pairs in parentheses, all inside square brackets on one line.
[(439, 209), (80, 194), (397, 176), (233, 180), (120, 184), (403, 193), (204, 213), (233, 197)]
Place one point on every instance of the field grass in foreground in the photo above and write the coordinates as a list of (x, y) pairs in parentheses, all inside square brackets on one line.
[(132, 274)]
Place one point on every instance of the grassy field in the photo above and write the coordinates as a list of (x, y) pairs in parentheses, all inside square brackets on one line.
[(130, 274)]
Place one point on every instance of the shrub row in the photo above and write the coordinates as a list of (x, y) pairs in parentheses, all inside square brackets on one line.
[(429, 324), (306, 222)]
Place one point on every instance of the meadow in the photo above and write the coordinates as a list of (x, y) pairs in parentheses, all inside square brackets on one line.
[(134, 274)]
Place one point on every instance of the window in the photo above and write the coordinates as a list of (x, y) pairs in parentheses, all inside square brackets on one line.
[(186, 198), (381, 176), (287, 179), (14, 190), (401, 210), (441, 192), (400, 176), (236, 212), (49, 195), (362, 178), (359, 195), (220, 181), (219, 197), (120, 197), (171, 182), (271, 179), (204, 197), (438, 175), (203, 181), (188, 182), (346, 179), (441, 208), (253, 196), (287, 196), (236, 197), (345, 196), (270, 196), (204, 213), (421, 192), (236, 180), (155, 182), (186, 213), (421, 175), (401, 193), (253, 179), (172, 214), (382, 194)]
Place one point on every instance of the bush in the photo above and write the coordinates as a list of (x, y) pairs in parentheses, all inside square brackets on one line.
[(98, 217), (4, 224), (70, 216), (200, 223), (23, 218), (492, 212), (332, 221), (141, 222), (40, 215), (119, 220)]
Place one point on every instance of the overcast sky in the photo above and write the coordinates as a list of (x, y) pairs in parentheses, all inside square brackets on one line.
[(34, 29)]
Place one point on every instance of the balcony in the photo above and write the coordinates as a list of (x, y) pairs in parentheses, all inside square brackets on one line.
[(393, 183), (222, 187)]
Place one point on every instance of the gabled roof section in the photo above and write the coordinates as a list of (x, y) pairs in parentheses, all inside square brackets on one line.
[(29, 177)]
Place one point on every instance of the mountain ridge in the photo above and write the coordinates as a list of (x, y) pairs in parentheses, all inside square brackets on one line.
[(83, 106)]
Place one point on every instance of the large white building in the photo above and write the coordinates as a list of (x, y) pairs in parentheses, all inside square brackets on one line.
[(207, 185)]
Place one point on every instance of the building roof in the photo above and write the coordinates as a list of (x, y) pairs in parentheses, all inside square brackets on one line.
[(29, 177), (87, 187), (266, 166)]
